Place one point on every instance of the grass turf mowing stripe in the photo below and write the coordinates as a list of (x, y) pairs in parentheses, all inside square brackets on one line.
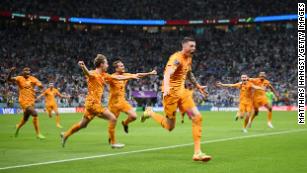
[(154, 149)]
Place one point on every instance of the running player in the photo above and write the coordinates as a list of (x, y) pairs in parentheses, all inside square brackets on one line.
[(246, 102), (96, 80), (26, 85), (259, 97), (118, 102), (178, 68), (50, 102)]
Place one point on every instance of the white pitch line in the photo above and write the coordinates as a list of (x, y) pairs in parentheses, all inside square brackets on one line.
[(152, 149)]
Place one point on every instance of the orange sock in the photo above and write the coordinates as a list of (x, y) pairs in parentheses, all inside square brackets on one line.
[(57, 119), (161, 120), (128, 120), (112, 132), (72, 130), (196, 131), (270, 116), (36, 125)]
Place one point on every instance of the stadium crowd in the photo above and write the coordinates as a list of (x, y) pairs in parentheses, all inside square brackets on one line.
[(223, 54), (171, 9)]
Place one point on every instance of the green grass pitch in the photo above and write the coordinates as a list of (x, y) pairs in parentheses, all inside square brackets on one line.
[(282, 149)]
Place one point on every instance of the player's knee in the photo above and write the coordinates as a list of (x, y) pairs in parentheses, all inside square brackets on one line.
[(197, 119), (113, 119), (26, 118), (256, 112), (133, 117), (83, 125), (171, 128), (34, 113)]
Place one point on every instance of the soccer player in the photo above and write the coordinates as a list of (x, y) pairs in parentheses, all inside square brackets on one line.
[(178, 68), (50, 102), (259, 97), (26, 84), (246, 102), (118, 102), (96, 80)]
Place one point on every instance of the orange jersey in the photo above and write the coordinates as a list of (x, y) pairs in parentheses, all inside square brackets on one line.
[(118, 89), (95, 86), (50, 95), (261, 83), (245, 92), (26, 88), (177, 79)]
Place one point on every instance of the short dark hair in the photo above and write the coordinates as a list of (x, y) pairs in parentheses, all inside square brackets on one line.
[(26, 68), (187, 39), (100, 59), (116, 62)]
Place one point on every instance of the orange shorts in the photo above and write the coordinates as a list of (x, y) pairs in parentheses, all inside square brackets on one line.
[(260, 101), (171, 103), (245, 107), (25, 105), (121, 106), (52, 107), (93, 109)]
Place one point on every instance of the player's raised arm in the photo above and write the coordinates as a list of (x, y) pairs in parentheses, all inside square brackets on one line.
[(274, 91), (84, 68), (41, 95), (220, 84), (61, 95), (257, 87), (9, 76), (193, 80), (123, 77), (140, 75)]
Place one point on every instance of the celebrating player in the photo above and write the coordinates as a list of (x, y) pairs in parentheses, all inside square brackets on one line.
[(50, 102), (26, 85), (246, 104), (118, 103), (96, 80), (260, 99), (178, 68)]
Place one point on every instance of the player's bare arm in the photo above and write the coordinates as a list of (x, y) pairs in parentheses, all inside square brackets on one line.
[(122, 77), (257, 87), (274, 91), (140, 75), (220, 84), (84, 68), (9, 76), (40, 96), (193, 80), (63, 96)]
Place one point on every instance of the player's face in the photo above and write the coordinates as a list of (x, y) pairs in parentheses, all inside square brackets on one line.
[(51, 85), (262, 75), (120, 67), (189, 47), (244, 78), (104, 66), (26, 73)]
